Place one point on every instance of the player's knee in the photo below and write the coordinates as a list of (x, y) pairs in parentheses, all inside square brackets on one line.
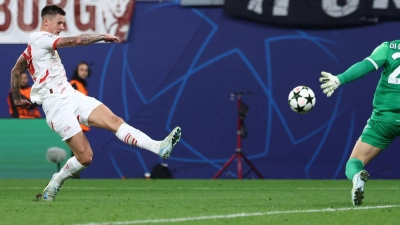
[(86, 161), (84, 155), (115, 123), (116, 120)]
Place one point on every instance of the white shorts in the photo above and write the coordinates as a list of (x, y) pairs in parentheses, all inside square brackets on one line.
[(63, 115)]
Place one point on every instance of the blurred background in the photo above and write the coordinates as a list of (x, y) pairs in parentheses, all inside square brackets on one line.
[(178, 65)]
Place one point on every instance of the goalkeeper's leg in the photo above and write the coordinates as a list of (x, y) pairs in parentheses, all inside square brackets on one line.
[(361, 155), (376, 136)]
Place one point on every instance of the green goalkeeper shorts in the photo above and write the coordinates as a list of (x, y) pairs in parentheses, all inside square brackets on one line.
[(379, 134)]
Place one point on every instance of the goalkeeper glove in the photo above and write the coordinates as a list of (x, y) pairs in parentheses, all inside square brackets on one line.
[(331, 82)]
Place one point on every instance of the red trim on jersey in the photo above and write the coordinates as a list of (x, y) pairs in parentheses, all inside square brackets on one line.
[(55, 43), (78, 118), (44, 78), (29, 51), (28, 58), (25, 56), (52, 126)]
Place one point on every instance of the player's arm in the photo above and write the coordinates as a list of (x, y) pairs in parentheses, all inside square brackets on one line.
[(84, 39), (12, 107), (20, 66), (356, 71), (369, 64)]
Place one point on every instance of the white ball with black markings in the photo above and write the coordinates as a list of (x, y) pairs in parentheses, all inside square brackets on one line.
[(301, 99)]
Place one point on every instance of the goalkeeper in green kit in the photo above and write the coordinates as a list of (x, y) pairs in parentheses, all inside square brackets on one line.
[(384, 124)]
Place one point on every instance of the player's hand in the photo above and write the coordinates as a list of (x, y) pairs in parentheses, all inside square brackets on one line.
[(331, 82), (110, 38), (23, 103)]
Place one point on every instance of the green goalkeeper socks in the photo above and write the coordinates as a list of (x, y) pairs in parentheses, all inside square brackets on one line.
[(353, 166)]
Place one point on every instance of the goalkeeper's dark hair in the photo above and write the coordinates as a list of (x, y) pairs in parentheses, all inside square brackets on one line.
[(52, 10)]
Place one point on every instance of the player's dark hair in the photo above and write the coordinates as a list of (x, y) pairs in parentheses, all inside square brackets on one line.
[(52, 10)]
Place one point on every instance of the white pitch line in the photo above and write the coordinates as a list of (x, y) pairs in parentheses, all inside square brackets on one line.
[(192, 188), (229, 216)]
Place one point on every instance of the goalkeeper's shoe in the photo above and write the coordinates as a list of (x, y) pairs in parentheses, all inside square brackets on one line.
[(357, 193), (50, 191), (169, 142)]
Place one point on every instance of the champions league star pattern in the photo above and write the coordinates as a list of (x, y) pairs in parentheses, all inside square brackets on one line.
[(180, 65), (178, 88)]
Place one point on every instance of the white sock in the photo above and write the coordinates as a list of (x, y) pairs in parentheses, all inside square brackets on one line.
[(72, 167), (135, 137)]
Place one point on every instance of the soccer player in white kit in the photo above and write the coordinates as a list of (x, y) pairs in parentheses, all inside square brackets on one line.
[(65, 107)]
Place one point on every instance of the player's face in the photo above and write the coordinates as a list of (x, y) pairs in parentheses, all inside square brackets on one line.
[(54, 24), (83, 71), (117, 7), (24, 80)]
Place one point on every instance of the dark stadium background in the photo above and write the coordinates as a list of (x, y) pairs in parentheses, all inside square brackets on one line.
[(179, 67)]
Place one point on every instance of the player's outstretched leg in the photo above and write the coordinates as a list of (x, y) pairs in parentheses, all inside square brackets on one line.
[(357, 193), (169, 142), (103, 117), (132, 136)]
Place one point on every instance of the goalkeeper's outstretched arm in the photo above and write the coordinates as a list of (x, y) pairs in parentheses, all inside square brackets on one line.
[(356, 71)]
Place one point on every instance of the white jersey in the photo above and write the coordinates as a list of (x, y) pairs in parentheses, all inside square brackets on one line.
[(45, 67)]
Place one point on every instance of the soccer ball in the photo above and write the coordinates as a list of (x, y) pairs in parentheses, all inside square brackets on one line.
[(301, 99)]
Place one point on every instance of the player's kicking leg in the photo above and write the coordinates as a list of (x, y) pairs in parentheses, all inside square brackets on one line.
[(169, 142), (361, 155), (103, 117)]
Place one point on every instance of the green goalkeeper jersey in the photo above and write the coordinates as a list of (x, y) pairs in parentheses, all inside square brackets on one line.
[(386, 103)]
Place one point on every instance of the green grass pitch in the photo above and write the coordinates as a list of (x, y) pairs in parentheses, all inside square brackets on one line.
[(136, 201)]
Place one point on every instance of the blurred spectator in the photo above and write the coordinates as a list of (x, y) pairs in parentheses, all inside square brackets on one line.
[(18, 112), (78, 81)]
